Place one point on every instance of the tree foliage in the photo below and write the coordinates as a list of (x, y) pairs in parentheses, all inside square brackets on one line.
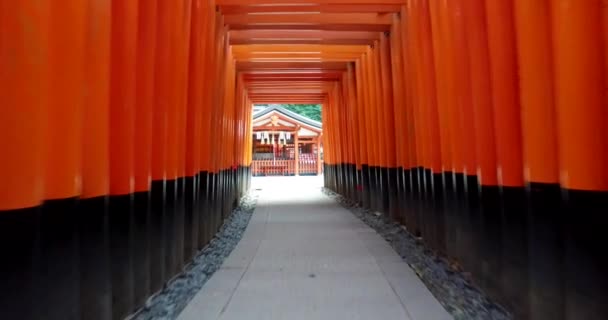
[(312, 111)]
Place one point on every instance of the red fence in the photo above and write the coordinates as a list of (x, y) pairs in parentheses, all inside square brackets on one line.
[(308, 166), (273, 167)]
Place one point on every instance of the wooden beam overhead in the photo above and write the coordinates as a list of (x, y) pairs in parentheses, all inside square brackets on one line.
[(277, 67), (269, 49), (273, 78), (296, 51), (304, 26), (241, 35), (311, 8), (344, 21), (303, 41), (282, 2)]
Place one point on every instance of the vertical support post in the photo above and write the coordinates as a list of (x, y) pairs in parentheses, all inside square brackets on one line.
[(24, 92), (580, 95), (122, 153), (535, 60), (95, 287), (319, 166), (296, 150), (512, 258)]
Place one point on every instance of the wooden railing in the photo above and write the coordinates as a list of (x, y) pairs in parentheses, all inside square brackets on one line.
[(273, 167), (308, 166)]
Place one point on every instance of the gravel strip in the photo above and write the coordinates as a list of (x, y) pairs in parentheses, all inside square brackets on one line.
[(170, 302), (458, 295)]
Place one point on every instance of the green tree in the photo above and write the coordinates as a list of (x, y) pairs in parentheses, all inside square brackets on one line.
[(312, 111)]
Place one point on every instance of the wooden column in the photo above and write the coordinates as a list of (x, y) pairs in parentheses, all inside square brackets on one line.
[(319, 165), (297, 151)]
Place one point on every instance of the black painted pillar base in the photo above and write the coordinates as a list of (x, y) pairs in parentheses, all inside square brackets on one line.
[(158, 235), (491, 243), (471, 205), (450, 213), (359, 187), (407, 199), (141, 252), (121, 250), (56, 262), (515, 251), (365, 187), (18, 234), (203, 213), (393, 193), (426, 207), (586, 265), (546, 252), (400, 203), (95, 283), (437, 210), (169, 226), (415, 200), (191, 218), (215, 206), (384, 204), (180, 215)]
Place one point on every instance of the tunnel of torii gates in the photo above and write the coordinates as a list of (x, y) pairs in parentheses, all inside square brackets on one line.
[(125, 138)]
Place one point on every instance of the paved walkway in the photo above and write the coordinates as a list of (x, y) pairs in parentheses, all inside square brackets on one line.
[(303, 256)]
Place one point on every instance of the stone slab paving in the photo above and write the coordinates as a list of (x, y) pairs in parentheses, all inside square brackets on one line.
[(303, 256)]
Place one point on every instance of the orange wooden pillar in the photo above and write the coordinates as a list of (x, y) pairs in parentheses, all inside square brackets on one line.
[(400, 96), (389, 172), (374, 138), (194, 115), (344, 129), (144, 102), (206, 126), (217, 123), (378, 126), (353, 131), (462, 81), (95, 287), (331, 143), (410, 158), (158, 189), (368, 141), (462, 119), (486, 238), (227, 133), (173, 216), (326, 152), (181, 100), (535, 55), (507, 128), (432, 175), (122, 155), (24, 92), (363, 183), (336, 158), (580, 87), (418, 212), (57, 264), (429, 187), (442, 69), (345, 117), (339, 150)]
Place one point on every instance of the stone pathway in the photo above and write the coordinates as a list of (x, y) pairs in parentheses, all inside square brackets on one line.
[(303, 256)]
